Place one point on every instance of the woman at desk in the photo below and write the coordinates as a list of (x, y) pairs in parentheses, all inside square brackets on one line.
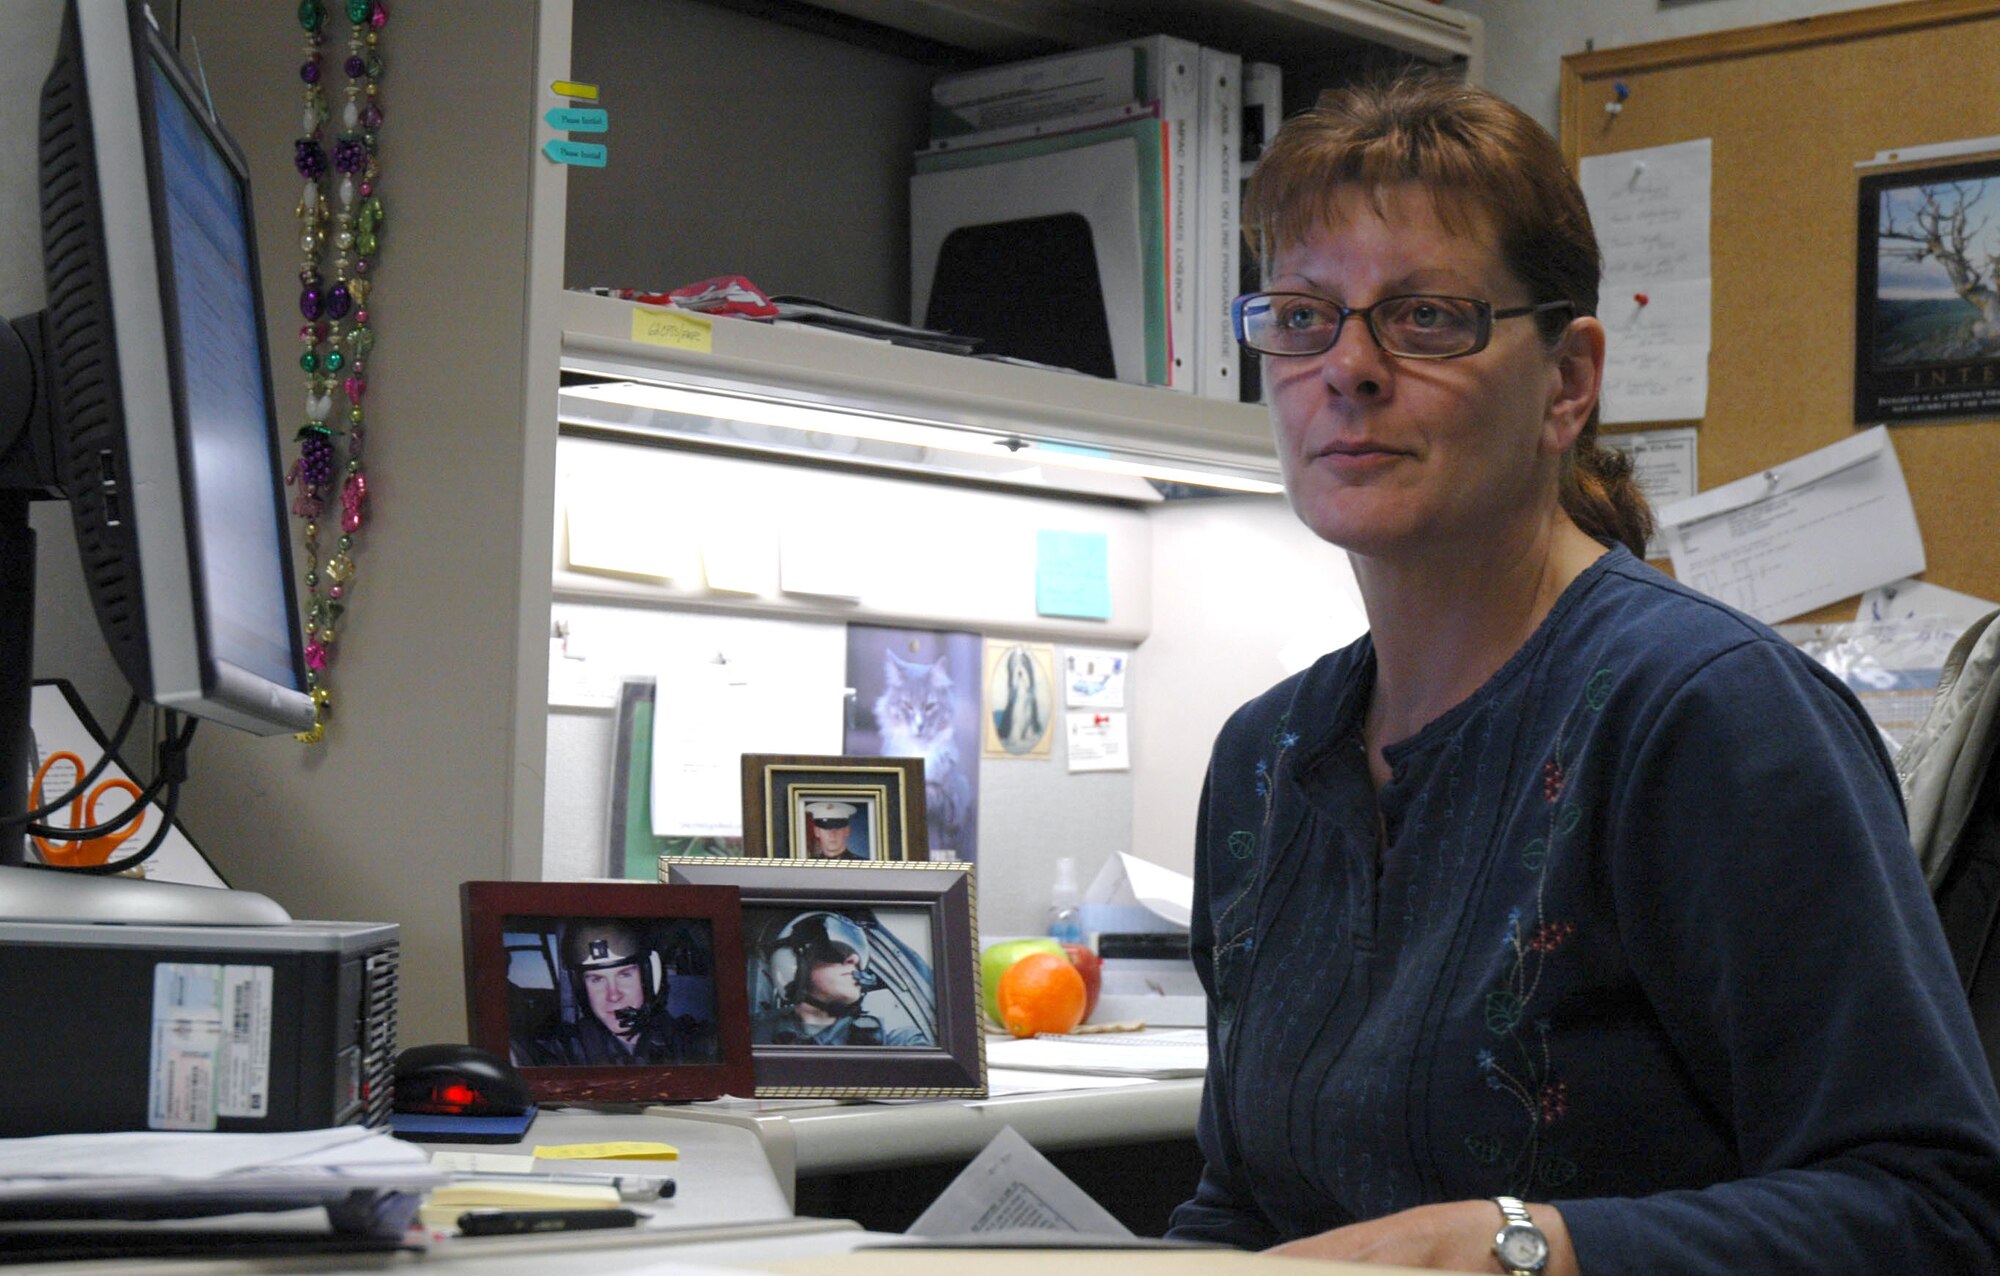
[(1565, 885)]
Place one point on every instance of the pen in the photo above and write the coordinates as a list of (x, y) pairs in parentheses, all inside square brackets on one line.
[(524, 1222), (632, 1187)]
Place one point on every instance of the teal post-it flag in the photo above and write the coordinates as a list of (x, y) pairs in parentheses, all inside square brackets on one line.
[(1073, 574)]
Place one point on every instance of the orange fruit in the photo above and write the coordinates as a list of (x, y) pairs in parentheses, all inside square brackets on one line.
[(1041, 992)]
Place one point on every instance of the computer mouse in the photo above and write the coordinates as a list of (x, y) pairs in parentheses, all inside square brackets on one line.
[(458, 1080)]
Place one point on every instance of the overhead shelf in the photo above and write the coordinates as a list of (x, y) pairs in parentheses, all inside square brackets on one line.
[(1263, 30), (1000, 401)]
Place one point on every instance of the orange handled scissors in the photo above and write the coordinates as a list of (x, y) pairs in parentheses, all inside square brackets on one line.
[(90, 851)]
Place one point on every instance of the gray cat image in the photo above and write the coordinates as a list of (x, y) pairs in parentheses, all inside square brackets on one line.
[(916, 714)]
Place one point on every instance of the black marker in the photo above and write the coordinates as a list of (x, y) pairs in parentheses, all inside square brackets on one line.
[(528, 1222)]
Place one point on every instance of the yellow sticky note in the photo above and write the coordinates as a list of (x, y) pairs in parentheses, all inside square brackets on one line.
[(629, 1151), (658, 327), (571, 89)]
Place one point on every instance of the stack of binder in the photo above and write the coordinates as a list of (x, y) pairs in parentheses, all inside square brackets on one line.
[(1081, 210)]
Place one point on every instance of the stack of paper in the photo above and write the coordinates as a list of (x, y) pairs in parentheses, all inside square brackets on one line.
[(1181, 1052), (368, 1180)]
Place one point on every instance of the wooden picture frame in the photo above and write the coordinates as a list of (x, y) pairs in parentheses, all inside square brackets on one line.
[(556, 971), (884, 796), (898, 943)]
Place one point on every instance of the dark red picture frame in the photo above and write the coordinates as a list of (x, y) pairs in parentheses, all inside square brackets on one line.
[(492, 1004)]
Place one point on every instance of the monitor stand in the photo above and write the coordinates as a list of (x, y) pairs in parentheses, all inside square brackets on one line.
[(38, 895)]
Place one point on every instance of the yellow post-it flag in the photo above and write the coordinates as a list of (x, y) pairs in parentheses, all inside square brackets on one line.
[(627, 1151)]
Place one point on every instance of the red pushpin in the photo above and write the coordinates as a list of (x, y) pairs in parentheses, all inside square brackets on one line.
[(1101, 719), (1641, 298)]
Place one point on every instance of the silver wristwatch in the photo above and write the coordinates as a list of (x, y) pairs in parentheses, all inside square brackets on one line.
[(1519, 1244)]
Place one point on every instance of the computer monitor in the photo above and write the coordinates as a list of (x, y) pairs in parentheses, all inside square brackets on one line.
[(142, 395)]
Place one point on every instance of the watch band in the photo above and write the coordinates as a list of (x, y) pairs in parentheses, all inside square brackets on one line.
[(1519, 1245)]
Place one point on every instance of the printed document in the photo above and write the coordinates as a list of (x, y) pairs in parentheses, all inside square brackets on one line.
[(1011, 1187), (1811, 531)]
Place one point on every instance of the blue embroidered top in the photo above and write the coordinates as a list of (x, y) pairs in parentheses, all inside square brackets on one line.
[(1638, 930)]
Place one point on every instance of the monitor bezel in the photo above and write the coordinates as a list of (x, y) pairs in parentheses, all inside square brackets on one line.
[(186, 674)]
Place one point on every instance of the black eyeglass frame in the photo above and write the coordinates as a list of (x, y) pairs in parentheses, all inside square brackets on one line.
[(1488, 316)]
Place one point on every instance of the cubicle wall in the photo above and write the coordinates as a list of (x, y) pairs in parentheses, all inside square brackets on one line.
[(928, 555), (1792, 108)]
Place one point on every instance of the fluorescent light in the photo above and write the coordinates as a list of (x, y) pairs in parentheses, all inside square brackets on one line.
[(808, 418)]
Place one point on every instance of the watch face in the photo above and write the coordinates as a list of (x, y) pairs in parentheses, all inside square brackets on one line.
[(1522, 1247)]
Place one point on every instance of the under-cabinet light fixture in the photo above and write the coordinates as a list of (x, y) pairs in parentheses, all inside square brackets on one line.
[(810, 419)]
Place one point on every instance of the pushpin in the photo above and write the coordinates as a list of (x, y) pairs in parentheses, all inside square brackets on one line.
[(1641, 298), (1618, 95), (1638, 171)]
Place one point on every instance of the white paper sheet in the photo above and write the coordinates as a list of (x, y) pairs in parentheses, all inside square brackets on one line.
[(1011, 1187), (1126, 879), (1005, 1081), (618, 523), (1094, 678), (827, 559), (1651, 211), (707, 716), (1655, 352), (1178, 1052), (142, 1165), (1910, 599), (1664, 466), (1099, 741), (1816, 529)]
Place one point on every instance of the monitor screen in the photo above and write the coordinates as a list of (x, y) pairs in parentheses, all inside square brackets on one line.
[(218, 356)]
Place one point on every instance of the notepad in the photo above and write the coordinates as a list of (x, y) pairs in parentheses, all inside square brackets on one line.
[(440, 1212)]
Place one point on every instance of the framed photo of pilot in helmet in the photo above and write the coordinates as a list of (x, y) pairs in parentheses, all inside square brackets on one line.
[(612, 992), (861, 978)]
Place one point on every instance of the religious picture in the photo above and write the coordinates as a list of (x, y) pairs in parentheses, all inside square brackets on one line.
[(1020, 699)]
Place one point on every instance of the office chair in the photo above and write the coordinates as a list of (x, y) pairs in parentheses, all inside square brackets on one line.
[(1950, 773)]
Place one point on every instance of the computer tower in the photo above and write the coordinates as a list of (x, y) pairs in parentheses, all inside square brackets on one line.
[(234, 1028)]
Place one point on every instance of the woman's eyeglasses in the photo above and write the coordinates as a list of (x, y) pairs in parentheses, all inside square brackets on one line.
[(1419, 326)]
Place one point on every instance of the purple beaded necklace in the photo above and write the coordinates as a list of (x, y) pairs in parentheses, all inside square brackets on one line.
[(336, 318)]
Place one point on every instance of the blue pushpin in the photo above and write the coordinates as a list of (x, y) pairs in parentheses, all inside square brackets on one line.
[(1619, 92)]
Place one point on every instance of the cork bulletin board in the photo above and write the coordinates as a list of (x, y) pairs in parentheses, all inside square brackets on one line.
[(1791, 108)]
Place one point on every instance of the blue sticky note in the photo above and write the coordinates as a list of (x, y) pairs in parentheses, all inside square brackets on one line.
[(578, 119), (1073, 574), (585, 154)]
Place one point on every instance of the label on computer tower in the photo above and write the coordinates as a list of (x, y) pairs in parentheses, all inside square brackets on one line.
[(211, 1052)]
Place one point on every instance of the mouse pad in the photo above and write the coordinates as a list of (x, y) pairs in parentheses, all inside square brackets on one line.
[(423, 1127)]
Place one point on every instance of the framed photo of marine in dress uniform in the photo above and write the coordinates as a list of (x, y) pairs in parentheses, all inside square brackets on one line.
[(609, 992), (834, 808), (861, 978)]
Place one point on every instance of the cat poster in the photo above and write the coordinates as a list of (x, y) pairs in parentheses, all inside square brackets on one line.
[(1020, 699), (916, 695)]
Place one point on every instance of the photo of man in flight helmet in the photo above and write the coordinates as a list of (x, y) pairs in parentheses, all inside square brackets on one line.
[(618, 1004), (831, 979)]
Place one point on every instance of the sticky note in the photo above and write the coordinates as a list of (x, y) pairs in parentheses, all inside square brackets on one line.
[(1073, 574), (627, 1151), (581, 154), (670, 328), (570, 88), (577, 119)]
